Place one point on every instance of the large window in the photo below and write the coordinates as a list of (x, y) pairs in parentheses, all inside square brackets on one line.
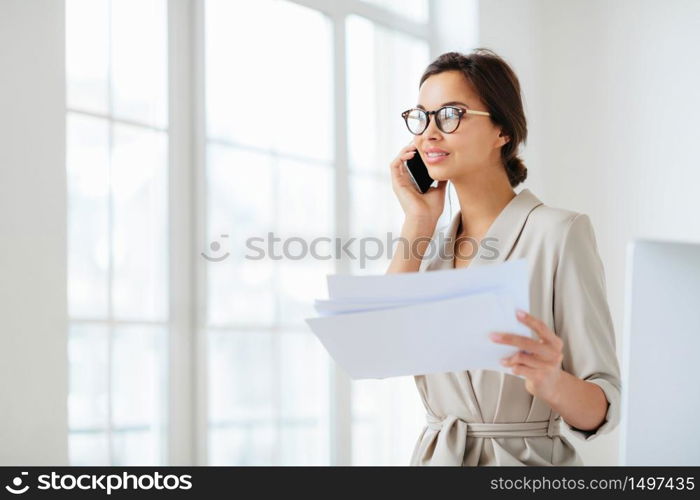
[(269, 168), (293, 117), (117, 143), (384, 67)]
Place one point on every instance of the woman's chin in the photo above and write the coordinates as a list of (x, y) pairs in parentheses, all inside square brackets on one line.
[(439, 173)]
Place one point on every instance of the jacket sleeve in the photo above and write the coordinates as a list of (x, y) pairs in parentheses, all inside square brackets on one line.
[(582, 319)]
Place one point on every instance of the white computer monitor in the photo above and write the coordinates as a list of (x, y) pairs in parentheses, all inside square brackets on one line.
[(660, 416)]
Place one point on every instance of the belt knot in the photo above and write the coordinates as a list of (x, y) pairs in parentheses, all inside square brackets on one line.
[(548, 428)]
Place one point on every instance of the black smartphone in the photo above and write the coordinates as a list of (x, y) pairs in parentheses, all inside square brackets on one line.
[(419, 173)]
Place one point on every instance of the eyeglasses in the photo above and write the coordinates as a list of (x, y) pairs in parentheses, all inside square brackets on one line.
[(447, 118)]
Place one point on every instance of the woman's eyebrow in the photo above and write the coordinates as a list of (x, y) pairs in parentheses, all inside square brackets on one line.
[(450, 103)]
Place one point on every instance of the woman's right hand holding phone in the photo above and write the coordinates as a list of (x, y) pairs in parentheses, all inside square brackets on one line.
[(418, 207), (421, 211)]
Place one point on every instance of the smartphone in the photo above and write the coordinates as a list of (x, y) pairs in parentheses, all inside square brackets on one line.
[(419, 173)]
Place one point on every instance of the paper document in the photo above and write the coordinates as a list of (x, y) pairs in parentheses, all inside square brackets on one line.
[(426, 322)]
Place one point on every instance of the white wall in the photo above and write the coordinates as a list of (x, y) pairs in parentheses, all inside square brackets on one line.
[(511, 29), (33, 357), (613, 109), (454, 26)]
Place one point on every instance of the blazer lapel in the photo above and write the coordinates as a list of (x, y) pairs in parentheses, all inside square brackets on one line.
[(505, 230), (499, 240)]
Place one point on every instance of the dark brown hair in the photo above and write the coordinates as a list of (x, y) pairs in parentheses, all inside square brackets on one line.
[(499, 89)]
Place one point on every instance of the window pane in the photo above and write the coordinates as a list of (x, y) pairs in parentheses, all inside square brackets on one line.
[(88, 364), (241, 293), (240, 205), (388, 417), (243, 443), (305, 198), (139, 60), (304, 399), (303, 443), (376, 213), (88, 448), (88, 231), (278, 416), (416, 10), (384, 68), (87, 54), (299, 283), (137, 375), (136, 448), (242, 407), (304, 365), (138, 400), (234, 393), (279, 95), (139, 183), (306, 213), (240, 194)]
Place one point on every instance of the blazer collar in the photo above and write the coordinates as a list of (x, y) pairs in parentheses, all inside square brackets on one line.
[(500, 238)]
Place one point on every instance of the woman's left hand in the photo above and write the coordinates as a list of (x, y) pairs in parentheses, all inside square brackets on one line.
[(539, 361)]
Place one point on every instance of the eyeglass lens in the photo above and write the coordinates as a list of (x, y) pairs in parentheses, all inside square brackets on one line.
[(447, 120)]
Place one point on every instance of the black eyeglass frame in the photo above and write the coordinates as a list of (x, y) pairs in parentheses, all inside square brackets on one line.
[(460, 113)]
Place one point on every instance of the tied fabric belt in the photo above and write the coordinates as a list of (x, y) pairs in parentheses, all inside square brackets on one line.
[(453, 431)]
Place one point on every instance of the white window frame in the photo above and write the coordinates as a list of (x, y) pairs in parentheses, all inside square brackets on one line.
[(187, 363), (110, 323)]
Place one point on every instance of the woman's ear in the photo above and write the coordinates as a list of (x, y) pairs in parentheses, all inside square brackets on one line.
[(505, 138)]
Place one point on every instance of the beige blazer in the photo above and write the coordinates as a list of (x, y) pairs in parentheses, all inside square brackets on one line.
[(487, 417)]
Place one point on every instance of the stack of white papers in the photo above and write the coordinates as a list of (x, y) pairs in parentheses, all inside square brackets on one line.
[(425, 322)]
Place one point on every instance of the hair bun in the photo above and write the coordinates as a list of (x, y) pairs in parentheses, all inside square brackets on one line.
[(516, 170)]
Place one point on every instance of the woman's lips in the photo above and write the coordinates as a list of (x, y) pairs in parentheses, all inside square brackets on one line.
[(435, 159)]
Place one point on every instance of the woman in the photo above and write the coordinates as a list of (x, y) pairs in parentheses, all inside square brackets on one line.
[(569, 370)]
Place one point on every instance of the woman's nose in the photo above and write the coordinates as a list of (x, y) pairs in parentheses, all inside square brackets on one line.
[(432, 130)]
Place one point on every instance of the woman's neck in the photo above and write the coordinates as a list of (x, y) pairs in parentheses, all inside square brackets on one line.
[(482, 197)]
